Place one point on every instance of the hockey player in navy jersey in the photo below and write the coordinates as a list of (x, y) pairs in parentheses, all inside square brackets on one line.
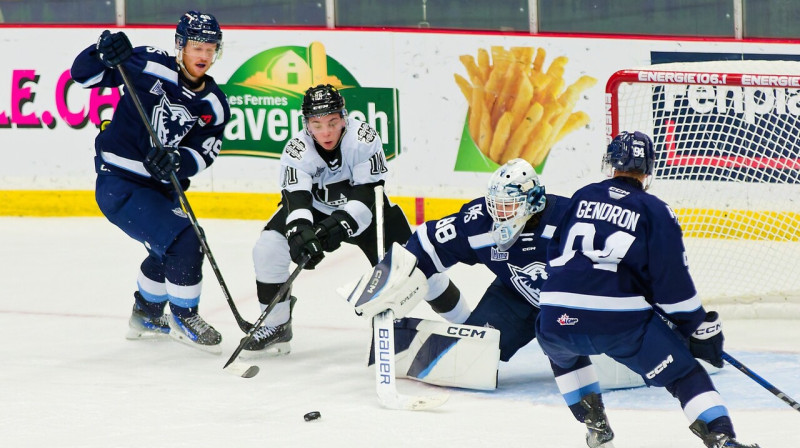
[(506, 230), (617, 264), (329, 171), (188, 111)]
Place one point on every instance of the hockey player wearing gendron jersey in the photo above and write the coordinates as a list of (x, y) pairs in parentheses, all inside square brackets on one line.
[(616, 266), (329, 171), (188, 112), (507, 230)]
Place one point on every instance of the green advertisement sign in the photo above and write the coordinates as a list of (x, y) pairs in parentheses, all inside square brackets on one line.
[(266, 92)]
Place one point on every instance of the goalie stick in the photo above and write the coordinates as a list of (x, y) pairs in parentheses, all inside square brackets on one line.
[(243, 324), (244, 370), (764, 383), (383, 338)]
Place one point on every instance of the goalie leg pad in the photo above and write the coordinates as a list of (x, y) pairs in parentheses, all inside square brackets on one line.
[(393, 284), (446, 354)]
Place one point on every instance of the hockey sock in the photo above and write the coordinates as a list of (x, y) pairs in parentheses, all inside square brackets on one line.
[(700, 401), (152, 309), (449, 303)]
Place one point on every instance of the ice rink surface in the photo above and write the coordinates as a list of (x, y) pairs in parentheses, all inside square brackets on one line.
[(69, 378)]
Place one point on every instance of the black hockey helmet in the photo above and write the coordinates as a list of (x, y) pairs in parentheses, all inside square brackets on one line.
[(322, 100), (200, 27)]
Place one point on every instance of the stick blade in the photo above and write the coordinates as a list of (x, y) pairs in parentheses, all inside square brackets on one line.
[(241, 369)]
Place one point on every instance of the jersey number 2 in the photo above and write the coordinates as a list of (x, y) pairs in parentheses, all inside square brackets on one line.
[(606, 258)]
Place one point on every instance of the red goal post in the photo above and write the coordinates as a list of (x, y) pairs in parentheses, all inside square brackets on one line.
[(727, 139)]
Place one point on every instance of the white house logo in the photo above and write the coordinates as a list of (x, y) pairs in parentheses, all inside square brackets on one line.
[(171, 122), (528, 280)]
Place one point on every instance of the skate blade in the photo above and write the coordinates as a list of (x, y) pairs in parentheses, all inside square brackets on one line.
[(145, 335), (273, 351), (183, 339)]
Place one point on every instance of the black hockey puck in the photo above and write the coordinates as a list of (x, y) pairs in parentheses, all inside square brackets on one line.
[(311, 416)]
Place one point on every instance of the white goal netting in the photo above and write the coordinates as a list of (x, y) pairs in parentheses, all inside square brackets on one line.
[(727, 138)]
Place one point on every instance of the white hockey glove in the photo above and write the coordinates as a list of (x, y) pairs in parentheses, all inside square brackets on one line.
[(393, 284)]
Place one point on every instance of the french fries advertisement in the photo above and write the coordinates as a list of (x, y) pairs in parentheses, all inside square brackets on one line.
[(519, 106)]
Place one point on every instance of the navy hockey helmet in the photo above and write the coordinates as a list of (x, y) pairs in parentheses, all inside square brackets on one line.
[(322, 100), (199, 27), (630, 152)]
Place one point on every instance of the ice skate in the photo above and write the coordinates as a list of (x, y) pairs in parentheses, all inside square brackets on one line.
[(143, 326), (271, 341), (195, 332), (599, 433), (716, 439)]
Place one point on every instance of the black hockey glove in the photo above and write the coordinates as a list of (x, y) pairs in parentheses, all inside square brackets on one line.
[(706, 342), (334, 229), (162, 162), (113, 48), (302, 240)]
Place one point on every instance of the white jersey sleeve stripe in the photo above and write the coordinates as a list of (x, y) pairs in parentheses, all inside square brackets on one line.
[(422, 234), (592, 302), (201, 163), (300, 214), (92, 81), (126, 164), (548, 231), (481, 241), (216, 105), (161, 71)]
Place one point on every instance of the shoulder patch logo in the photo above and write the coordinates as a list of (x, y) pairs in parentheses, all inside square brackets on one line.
[(295, 148), (366, 134), (157, 88)]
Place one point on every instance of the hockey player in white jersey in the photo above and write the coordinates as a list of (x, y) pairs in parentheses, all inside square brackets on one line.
[(617, 269), (328, 174)]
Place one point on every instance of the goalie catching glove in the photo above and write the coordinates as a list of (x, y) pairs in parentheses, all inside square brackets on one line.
[(393, 284)]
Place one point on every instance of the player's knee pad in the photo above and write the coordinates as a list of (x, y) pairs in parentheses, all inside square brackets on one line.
[(271, 257)]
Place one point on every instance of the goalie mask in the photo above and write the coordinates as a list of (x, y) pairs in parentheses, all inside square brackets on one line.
[(630, 152), (514, 195), (195, 26)]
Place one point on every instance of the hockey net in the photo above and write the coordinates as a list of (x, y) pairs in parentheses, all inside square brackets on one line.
[(727, 139)]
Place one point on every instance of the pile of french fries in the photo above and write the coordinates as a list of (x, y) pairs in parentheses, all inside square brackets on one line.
[(517, 109)]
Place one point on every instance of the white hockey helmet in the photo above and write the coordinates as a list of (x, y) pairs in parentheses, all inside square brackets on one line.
[(514, 195)]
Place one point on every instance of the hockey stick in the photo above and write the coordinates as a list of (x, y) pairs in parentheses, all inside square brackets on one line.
[(758, 379), (753, 376), (383, 340), (243, 324), (241, 369)]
